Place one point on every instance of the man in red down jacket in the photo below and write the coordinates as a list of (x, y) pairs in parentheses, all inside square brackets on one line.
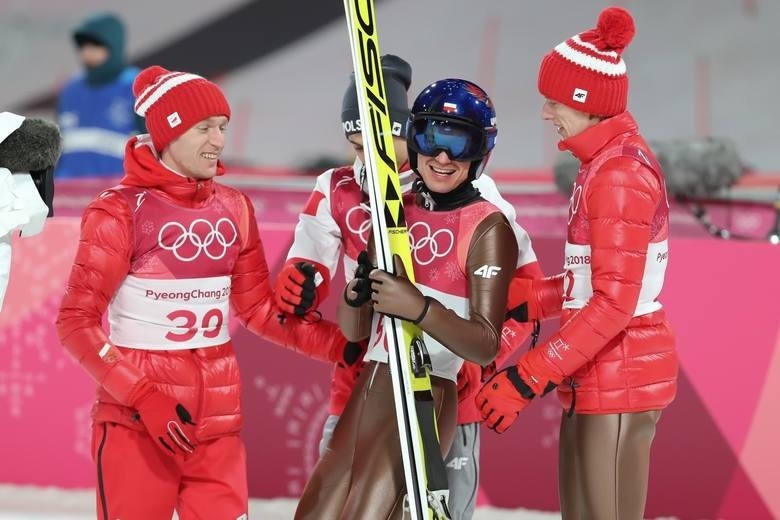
[(613, 359), (167, 252)]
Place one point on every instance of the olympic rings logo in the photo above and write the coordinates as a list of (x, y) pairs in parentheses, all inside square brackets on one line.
[(427, 247), (200, 237), (358, 222)]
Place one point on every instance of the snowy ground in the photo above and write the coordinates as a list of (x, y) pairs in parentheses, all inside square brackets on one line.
[(30, 503)]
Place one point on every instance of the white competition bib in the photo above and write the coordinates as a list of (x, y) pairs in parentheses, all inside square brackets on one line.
[(577, 282), (170, 314)]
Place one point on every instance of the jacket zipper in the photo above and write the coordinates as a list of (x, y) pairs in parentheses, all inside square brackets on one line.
[(200, 390)]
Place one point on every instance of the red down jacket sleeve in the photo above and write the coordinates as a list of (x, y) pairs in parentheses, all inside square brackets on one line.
[(252, 299), (101, 264), (621, 199), (541, 298), (513, 334)]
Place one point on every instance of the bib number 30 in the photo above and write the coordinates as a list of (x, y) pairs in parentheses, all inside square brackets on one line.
[(190, 326)]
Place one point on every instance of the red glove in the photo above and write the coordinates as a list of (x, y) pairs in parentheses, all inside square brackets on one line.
[(296, 288), (168, 422), (502, 398)]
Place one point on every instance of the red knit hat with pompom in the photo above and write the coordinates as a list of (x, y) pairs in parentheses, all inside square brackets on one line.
[(173, 102), (587, 71)]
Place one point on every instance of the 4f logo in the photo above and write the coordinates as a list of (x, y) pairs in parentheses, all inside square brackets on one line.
[(487, 271), (580, 95), (458, 463), (174, 119)]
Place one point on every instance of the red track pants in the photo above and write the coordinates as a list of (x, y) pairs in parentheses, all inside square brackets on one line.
[(136, 481)]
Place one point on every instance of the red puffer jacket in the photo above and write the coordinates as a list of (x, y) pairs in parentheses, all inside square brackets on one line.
[(206, 380), (615, 351)]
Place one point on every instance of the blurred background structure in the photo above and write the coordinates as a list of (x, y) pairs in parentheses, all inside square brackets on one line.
[(701, 71), (697, 68)]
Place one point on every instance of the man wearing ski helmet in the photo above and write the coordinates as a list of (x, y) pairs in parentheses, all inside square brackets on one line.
[(335, 225), (458, 301), (613, 360)]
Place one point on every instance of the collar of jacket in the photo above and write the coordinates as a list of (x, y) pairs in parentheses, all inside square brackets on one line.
[(464, 194), (143, 168), (588, 143), (405, 176)]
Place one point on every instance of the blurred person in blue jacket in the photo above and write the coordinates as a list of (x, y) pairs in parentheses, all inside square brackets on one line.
[(95, 107)]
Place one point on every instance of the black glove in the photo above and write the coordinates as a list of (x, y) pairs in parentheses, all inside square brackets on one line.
[(353, 352), (358, 291), (353, 358)]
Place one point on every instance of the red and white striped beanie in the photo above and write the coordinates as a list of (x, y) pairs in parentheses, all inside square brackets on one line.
[(172, 102), (587, 71)]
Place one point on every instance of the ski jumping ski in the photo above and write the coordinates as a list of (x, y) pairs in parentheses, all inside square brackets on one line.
[(424, 470)]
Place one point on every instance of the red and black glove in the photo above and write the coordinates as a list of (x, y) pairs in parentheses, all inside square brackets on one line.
[(296, 288), (352, 357), (168, 422), (503, 397)]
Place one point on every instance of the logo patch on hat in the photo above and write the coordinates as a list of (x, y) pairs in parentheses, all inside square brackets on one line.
[(579, 95), (174, 120), (352, 127)]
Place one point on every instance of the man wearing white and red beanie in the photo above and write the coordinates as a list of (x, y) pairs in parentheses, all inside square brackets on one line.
[(168, 252), (613, 360)]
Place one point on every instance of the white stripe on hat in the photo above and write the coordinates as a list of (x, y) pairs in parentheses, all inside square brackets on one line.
[(148, 90), (579, 41), (591, 62), (160, 88), (157, 81)]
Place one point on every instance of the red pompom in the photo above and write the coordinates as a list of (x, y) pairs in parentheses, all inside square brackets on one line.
[(147, 77), (616, 28)]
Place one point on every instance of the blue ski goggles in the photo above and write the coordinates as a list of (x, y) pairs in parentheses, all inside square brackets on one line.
[(461, 141)]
